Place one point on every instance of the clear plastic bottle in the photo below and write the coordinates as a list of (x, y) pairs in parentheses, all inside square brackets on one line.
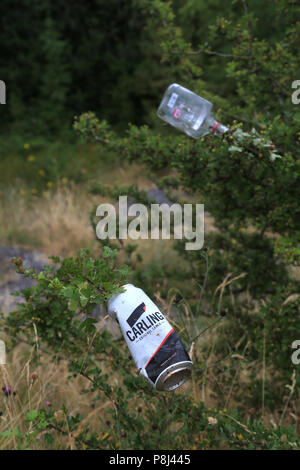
[(189, 112)]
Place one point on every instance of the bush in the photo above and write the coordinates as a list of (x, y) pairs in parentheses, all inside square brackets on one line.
[(56, 313)]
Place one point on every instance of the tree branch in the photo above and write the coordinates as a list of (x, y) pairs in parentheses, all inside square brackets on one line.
[(220, 54)]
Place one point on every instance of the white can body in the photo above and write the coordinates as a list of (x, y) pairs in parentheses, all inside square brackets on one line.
[(152, 341)]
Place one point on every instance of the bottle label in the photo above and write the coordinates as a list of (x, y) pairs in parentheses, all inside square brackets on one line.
[(177, 113), (172, 100), (198, 123)]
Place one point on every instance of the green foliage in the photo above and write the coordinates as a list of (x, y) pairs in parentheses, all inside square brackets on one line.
[(261, 335), (63, 295), (67, 59), (33, 166), (251, 178), (140, 417), (24, 440), (56, 77), (249, 183)]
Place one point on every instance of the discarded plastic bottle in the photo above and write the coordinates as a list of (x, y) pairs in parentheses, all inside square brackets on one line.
[(189, 112)]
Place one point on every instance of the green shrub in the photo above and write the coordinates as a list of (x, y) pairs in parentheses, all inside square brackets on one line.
[(56, 314)]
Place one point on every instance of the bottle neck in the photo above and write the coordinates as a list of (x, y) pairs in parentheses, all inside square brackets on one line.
[(216, 127)]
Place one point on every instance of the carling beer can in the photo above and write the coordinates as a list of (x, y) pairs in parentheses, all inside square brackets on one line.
[(155, 346)]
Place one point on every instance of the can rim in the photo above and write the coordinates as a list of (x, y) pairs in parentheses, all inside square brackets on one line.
[(160, 383)]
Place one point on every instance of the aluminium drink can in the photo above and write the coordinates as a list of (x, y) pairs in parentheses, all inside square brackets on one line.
[(154, 345)]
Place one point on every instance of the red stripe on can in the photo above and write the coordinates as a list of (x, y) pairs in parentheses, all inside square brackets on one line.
[(215, 126), (159, 347)]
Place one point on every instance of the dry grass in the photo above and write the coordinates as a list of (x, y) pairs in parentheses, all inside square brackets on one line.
[(38, 387), (48, 384), (58, 223)]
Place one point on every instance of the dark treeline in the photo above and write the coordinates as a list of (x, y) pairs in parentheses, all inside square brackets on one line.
[(61, 58)]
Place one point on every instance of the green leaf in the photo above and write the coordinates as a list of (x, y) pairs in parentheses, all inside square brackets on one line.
[(234, 148), (32, 415)]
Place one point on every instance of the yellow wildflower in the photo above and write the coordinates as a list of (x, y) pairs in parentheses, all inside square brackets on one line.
[(31, 158)]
